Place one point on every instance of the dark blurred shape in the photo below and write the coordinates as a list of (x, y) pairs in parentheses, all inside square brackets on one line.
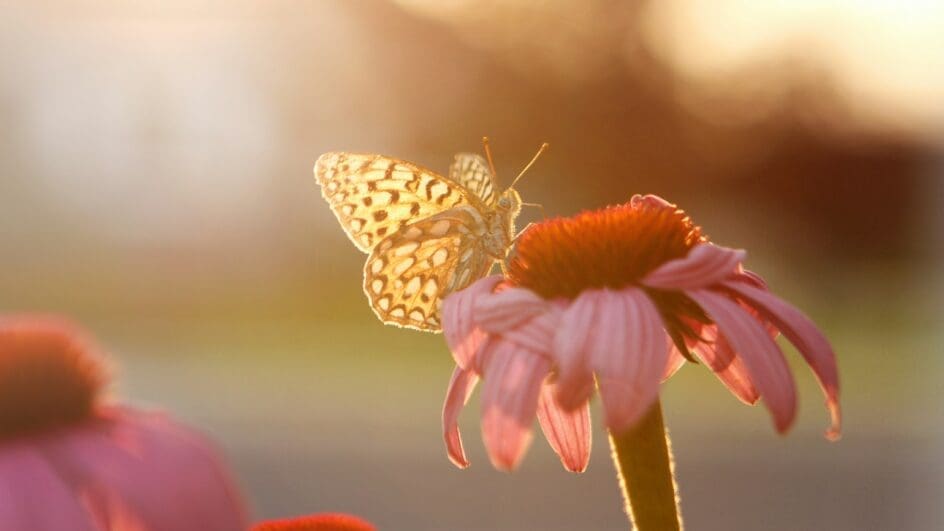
[(624, 124), (857, 201)]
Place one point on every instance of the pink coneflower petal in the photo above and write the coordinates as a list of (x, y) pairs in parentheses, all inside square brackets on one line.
[(126, 464), (123, 468), (537, 334), (460, 389), (650, 200), (568, 432), (630, 370), (23, 474), (463, 337), (760, 354), (808, 340), (716, 353), (574, 341), (498, 312), (675, 360), (512, 382), (705, 264), (750, 277)]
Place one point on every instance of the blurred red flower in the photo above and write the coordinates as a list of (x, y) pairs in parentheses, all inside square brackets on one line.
[(317, 522), (71, 461)]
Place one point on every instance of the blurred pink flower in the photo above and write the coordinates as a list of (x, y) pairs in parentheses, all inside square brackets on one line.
[(317, 522), (616, 299), (69, 461)]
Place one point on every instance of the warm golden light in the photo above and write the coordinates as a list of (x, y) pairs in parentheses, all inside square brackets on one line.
[(883, 57)]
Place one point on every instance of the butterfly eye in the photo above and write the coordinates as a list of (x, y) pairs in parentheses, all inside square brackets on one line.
[(504, 202)]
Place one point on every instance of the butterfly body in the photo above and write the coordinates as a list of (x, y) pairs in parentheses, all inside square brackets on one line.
[(501, 224), (426, 235)]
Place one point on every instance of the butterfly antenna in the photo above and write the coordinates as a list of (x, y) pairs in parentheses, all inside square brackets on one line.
[(526, 168), (488, 155)]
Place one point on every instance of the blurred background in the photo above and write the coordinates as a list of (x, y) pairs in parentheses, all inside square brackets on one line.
[(155, 183)]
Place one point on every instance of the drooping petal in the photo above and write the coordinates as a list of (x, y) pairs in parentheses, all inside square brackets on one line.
[(630, 366), (675, 360), (705, 264), (761, 355), (497, 312), (463, 337), (537, 334), (132, 465), (512, 382), (809, 341), (34, 496), (716, 353), (750, 277), (457, 395), (568, 432), (575, 339)]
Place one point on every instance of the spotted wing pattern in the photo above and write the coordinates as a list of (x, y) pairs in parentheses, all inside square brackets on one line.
[(375, 196), (471, 172), (409, 273)]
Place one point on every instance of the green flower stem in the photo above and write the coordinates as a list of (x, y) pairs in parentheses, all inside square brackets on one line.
[(643, 461)]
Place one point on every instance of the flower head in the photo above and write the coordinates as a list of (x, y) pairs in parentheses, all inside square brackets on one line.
[(317, 522), (69, 460), (52, 352), (615, 300)]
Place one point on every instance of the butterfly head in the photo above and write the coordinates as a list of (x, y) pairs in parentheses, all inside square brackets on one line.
[(510, 202)]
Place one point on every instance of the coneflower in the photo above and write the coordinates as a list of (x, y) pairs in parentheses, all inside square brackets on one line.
[(614, 301), (72, 460)]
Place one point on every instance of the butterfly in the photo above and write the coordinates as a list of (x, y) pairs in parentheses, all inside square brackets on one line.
[(426, 235)]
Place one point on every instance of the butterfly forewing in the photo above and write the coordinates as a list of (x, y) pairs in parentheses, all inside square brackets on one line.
[(409, 273), (374, 196), (472, 173)]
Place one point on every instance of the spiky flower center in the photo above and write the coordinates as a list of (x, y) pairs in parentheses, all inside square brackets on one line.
[(49, 375), (612, 248)]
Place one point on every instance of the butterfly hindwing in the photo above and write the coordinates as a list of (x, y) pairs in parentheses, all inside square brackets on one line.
[(374, 196), (471, 171), (409, 273)]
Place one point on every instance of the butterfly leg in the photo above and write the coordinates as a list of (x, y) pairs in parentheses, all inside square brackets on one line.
[(510, 250), (520, 232)]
